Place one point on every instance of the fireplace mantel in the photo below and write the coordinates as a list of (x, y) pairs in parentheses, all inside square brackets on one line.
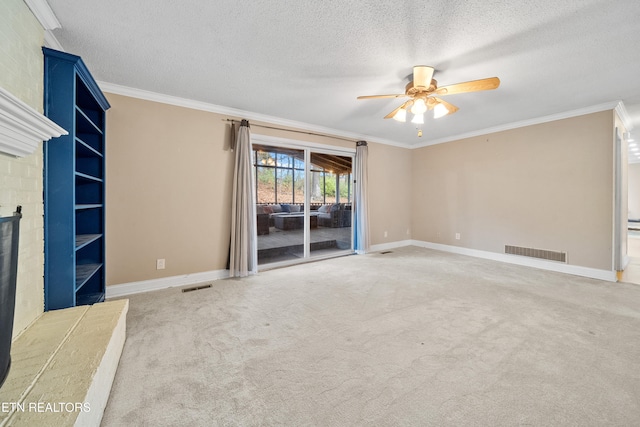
[(22, 128)]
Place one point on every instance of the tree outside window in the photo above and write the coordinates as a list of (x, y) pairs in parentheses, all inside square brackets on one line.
[(280, 179)]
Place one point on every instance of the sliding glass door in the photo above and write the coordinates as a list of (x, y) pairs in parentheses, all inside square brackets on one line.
[(330, 200), (303, 203), (280, 188)]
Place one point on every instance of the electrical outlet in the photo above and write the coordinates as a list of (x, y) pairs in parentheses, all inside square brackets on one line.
[(457, 236), (385, 234), (160, 264)]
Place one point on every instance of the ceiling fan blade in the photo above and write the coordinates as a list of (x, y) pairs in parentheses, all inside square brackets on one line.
[(450, 107), (472, 86), (382, 96), (422, 75), (393, 113)]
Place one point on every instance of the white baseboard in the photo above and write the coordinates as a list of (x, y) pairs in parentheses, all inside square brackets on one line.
[(123, 289), (625, 261), (576, 270), (391, 245)]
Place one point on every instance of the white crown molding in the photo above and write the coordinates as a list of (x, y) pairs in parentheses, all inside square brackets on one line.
[(22, 128), (234, 112), (51, 41), (523, 123), (624, 116), (43, 13), (115, 291)]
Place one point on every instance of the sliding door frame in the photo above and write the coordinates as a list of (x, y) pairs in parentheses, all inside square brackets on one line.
[(308, 147)]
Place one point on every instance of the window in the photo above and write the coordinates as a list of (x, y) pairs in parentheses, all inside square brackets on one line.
[(280, 177)]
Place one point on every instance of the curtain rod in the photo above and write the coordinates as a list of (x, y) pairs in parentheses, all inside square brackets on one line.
[(296, 131)]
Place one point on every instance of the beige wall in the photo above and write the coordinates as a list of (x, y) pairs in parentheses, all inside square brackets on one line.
[(21, 73), (169, 189), (548, 186), (390, 194), (634, 191)]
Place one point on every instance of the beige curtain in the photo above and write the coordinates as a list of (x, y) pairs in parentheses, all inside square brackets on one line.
[(243, 259), (361, 200)]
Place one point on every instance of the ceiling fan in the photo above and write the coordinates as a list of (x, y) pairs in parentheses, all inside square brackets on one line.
[(424, 91)]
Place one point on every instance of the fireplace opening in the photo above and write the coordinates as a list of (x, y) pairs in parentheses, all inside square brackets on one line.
[(9, 232)]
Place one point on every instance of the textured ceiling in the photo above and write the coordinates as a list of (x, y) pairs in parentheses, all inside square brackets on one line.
[(307, 61)]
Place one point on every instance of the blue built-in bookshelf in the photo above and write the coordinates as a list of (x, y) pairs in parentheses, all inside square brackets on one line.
[(74, 184)]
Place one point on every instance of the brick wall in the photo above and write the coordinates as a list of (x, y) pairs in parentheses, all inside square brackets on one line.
[(21, 73), (21, 60)]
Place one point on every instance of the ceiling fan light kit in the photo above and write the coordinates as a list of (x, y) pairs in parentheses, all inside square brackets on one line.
[(423, 90), (440, 111), (401, 115), (418, 119), (419, 106)]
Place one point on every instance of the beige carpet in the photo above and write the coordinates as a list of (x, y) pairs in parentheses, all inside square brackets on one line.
[(414, 337)]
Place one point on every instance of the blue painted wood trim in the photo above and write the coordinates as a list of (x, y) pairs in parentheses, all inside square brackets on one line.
[(83, 72)]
